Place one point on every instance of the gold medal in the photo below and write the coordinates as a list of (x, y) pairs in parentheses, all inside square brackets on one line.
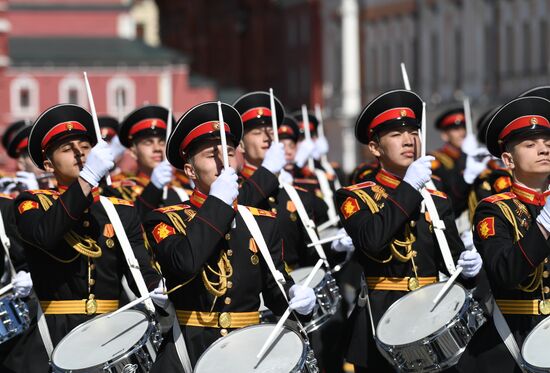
[(293, 216), (110, 243), (254, 259), (413, 283), (544, 307), (91, 306)]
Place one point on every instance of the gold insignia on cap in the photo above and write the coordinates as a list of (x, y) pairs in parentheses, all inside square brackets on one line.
[(153, 124), (534, 120), (403, 113), (69, 126), (216, 126), (260, 112)]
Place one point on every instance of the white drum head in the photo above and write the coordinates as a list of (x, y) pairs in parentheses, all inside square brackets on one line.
[(239, 348), (409, 319), (100, 340), (535, 347), (300, 275)]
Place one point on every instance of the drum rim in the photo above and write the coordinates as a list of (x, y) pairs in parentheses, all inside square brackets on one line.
[(140, 343), (296, 368), (438, 332), (527, 338), (323, 280), (26, 321)]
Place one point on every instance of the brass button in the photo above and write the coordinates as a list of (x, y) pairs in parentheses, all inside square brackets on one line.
[(415, 253), (227, 300), (223, 332), (229, 252), (545, 260), (545, 274), (271, 199), (546, 290), (274, 210), (86, 223), (227, 236), (224, 320), (91, 281), (229, 284), (413, 223), (92, 266)]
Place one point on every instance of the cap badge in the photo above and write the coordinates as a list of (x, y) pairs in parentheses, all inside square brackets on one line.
[(216, 126), (153, 124), (403, 113), (69, 126), (534, 121)]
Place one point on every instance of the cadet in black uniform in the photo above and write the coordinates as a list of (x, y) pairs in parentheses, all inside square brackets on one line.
[(393, 240), (74, 257), (214, 271), (511, 229)]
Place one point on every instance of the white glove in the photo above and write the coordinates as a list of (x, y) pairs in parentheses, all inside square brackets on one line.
[(285, 177), (158, 296), (467, 238), (474, 166), (274, 159), (321, 147), (343, 244), (471, 262), (22, 284), (305, 150), (302, 299), (117, 148), (162, 174), (419, 172), (226, 187), (98, 163), (470, 145), (27, 178), (544, 216)]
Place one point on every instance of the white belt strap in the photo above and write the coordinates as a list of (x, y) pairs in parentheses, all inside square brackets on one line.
[(439, 228), (44, 331), (328, 167), (327, 193), (127, 250), (179, 343), (507, 337), (181, 194), (6, 245), (256, 233), (306, 221)]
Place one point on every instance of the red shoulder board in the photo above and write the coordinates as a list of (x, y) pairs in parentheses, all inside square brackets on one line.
[(173, 208), (503, 182), (44, 191), (349, 207), (161, 231), (4, 195), (499, 197), (437, 193), (300, 188), (306, 181), (260, 212), (366, 184), (118, 201), (27, 205)]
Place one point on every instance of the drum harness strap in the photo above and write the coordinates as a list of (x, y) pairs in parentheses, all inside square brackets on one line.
[(181, 193), (507, 337), (327, 194), (306, 221)]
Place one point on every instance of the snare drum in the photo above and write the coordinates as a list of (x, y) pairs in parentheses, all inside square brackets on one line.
[(14, 317), (237, 352), (414, 339), (535, 348), (327, 293), (118, 344)]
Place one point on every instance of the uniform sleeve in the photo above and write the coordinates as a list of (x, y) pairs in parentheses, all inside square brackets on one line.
[(46, 228), (506, 262), (258, 187), (149, 199), (182, 255), (456, 245), (372, 232)]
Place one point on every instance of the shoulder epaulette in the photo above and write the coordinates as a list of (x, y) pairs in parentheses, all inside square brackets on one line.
[(260, 212), (438, 193), (173, 208), (118, 201), (6, 196), (365, 184), (44, 191), (499, 197), (445, 160)]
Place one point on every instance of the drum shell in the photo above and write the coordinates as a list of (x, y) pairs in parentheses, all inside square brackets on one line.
[(441, 349), (526, 365), (14, 317), (328, 300)]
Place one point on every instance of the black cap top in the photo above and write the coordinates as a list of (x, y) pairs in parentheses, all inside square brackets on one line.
[(482, 122), (288, 129), (12, 130), (19, 142), (313, 122), (520, 117), (108, 126), (150, 120), (57, 123), (450, 119), (396, 108), (255, 109), (542, 91), (199, 123)]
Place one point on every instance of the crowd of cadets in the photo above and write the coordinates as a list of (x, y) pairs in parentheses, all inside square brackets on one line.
[(179, 211)]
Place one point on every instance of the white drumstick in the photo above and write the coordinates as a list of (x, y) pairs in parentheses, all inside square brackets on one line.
[(168, 132), (423, 131), (326, 240), (279, 327), (273, 116), (307, 135), (446, 287), (405, 77), (222, 136), (329, 223), (5, 289), (468, 116), (130, 305)]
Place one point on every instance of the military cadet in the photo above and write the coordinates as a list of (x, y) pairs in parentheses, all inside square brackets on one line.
[(75, 260), (213, 269), (362, 172), (511, 229), (393, 240), (144, 132), (108, 126)]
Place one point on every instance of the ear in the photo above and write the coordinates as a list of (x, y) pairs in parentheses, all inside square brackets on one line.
[(508, 160), (444, 136), (48, 166), (133, 151), (374, 148), (189, 171), (242, 147)]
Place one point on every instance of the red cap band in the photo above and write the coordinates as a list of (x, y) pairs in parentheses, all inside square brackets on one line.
[(302, 126), (146, 124), (390, 114), (22, 145), (285, 130), (203, 129), (524, 121), (254, 113), (451, 119), (60, 128)]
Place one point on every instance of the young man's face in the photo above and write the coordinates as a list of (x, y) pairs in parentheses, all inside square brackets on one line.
[(454, 136), (396, 149), (255, 144), (148, 152), (206, 164), (529, 157), (290, 150), (67, 159)]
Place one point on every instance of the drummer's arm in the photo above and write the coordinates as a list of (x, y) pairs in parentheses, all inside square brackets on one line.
[(258, 187), (182, 255), (370, 231), (506, 262)]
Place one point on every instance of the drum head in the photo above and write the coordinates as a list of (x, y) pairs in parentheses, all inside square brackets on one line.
[(239, 348), (535, 347), (409, 319), (300, 275), (100, 340)]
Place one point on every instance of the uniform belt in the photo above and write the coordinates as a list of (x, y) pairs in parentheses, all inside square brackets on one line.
[(77, 307), (523, 307), (218, 319), (398, 283)]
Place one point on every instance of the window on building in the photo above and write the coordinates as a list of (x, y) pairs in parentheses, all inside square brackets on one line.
[(509, 46), (434, 61), (385, 76), (291, 32), (24, 97), (304, 28), (527, 62), (121, 96), (458, 59), (543, 46), (140, 31), (73, 96)]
